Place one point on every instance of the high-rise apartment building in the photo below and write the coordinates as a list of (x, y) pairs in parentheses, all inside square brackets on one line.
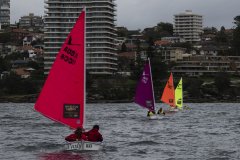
[(100, 32), (188, 26), (5, 12)]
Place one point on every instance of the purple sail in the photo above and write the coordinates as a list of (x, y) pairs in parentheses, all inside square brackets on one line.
[(144, 95)]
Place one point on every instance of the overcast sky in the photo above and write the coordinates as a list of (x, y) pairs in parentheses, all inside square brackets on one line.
[(139, 14)]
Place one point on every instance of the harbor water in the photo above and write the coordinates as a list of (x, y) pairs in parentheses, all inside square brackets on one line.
[(206, 132)]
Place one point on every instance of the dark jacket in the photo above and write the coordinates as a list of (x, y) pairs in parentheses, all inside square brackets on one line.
[(94, 136)]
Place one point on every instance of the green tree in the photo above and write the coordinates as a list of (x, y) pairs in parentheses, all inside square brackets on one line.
[(5, 37), (211, 30), (137, 65), (221, 36), (13, 84), (193, 86), (165, 29), (150, 49), (122, 32), (236, 36), (4, 65), (124, 47), (222, 81)]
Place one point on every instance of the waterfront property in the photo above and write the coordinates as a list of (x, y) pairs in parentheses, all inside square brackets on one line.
[(207, 65), (100, 32)]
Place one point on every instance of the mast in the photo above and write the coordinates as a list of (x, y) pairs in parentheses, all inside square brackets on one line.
[(85, 75), (152, 83)]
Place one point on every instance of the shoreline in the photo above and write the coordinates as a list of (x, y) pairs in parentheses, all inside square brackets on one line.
[(31, 98)]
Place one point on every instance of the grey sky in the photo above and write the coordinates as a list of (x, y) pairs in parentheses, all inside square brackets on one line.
[(139, 14)]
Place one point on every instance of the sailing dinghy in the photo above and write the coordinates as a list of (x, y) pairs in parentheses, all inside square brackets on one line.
[(62, 98), (168, 96), (144, 95), (179, 96)]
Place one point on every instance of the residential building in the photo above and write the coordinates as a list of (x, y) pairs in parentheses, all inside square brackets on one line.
[(170, 54), (189, 26), (28, 40), (31, 21), (7, 48), (17, 35), (100, 32), (207, 65), (174, 39), (5, 12)]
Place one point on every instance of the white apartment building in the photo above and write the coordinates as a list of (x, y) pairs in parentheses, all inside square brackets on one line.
[(188, 26), (5, 12), (100, 32)]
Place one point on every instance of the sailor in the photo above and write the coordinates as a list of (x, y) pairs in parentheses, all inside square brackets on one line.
[(186, 108), (150, 113), (160, 111), (77, 136), (93, 135)]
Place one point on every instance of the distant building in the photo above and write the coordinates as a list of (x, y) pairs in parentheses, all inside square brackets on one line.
[(170, 54), (189, 26), (5, 12), (100, 32), (28, 40), (7, 48), (207, 65), (174, 39), (31, 21)]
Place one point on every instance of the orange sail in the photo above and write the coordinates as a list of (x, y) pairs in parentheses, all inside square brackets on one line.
[(168, 93), (62, 98)]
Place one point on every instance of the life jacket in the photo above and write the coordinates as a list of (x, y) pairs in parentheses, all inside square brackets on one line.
[(150, 114), (74, 137), (94, 136)]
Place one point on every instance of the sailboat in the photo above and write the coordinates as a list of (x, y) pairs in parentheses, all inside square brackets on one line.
[(168, 96), (62, 98), (179, 95), (144, 95)]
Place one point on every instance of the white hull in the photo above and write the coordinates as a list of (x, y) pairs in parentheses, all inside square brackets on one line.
[(153, 117), (173, 110), (156, 117), (83, 146)]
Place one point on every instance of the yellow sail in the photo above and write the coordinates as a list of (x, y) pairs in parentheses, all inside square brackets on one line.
[(179, 95)]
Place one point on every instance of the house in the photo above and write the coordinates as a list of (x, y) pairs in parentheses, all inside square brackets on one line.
[(28, 40), (23, 72)]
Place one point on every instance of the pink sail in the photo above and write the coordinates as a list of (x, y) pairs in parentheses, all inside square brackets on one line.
[(62, 98), (144, 93)]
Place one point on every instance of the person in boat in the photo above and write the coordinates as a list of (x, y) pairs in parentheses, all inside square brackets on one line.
[(93, 135), (150, 113), (160, 111), (76, 136), (186, 108)]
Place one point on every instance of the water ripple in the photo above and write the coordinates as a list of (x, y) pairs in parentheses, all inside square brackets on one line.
[(207, 132)]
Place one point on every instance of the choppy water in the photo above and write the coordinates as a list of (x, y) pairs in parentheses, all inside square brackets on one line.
[(207, 132)]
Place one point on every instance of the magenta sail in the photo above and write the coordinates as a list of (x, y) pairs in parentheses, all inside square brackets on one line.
[(62, 98), (144, 92)]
